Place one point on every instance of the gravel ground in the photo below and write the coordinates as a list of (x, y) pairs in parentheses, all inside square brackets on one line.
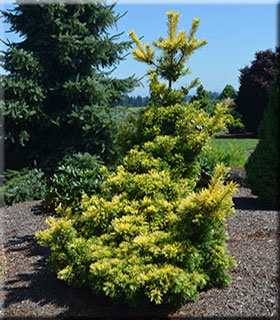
[(29, 289)]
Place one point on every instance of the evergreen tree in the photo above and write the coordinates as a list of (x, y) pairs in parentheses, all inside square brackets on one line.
[(201, 93), (204, 100), (150, 233), (176, 50), (228, 92), (208, 101), (236, 126), (263, 166), (56, 92)]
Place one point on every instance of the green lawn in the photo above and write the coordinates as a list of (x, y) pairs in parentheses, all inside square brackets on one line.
[(233, 151)]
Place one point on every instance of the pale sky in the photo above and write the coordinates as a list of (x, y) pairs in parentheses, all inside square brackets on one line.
[(236, 30)]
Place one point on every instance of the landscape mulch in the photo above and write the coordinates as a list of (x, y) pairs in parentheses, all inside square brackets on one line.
[(29, 289)]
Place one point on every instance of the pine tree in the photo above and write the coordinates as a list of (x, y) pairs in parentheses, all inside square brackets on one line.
[(56, 92), (150, 233), (176, 50)]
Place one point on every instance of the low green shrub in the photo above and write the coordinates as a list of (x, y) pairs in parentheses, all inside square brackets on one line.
[(24, 185), (81, 161), (263, 166), (148, 233), (236, 126), (79, 174), (208, 161)]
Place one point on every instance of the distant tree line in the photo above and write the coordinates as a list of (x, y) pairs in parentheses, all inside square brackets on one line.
[(135, 102)]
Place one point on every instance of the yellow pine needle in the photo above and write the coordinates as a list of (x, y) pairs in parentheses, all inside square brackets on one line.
[(149, 52), (139, 55), (172, 23), (144, 53), (194, 28), (134, 37)]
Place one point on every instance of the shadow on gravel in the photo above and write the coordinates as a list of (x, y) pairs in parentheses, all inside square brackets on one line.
[(249, 203), (42, 287), (39, 210)]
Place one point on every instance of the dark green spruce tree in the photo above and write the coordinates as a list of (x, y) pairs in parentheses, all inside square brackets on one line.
[(57, 94)]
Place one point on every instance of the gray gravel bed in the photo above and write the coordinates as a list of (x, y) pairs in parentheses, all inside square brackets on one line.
[(29, 289)]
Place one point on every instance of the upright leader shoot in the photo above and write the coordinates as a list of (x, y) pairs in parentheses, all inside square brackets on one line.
[(176, 49)]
